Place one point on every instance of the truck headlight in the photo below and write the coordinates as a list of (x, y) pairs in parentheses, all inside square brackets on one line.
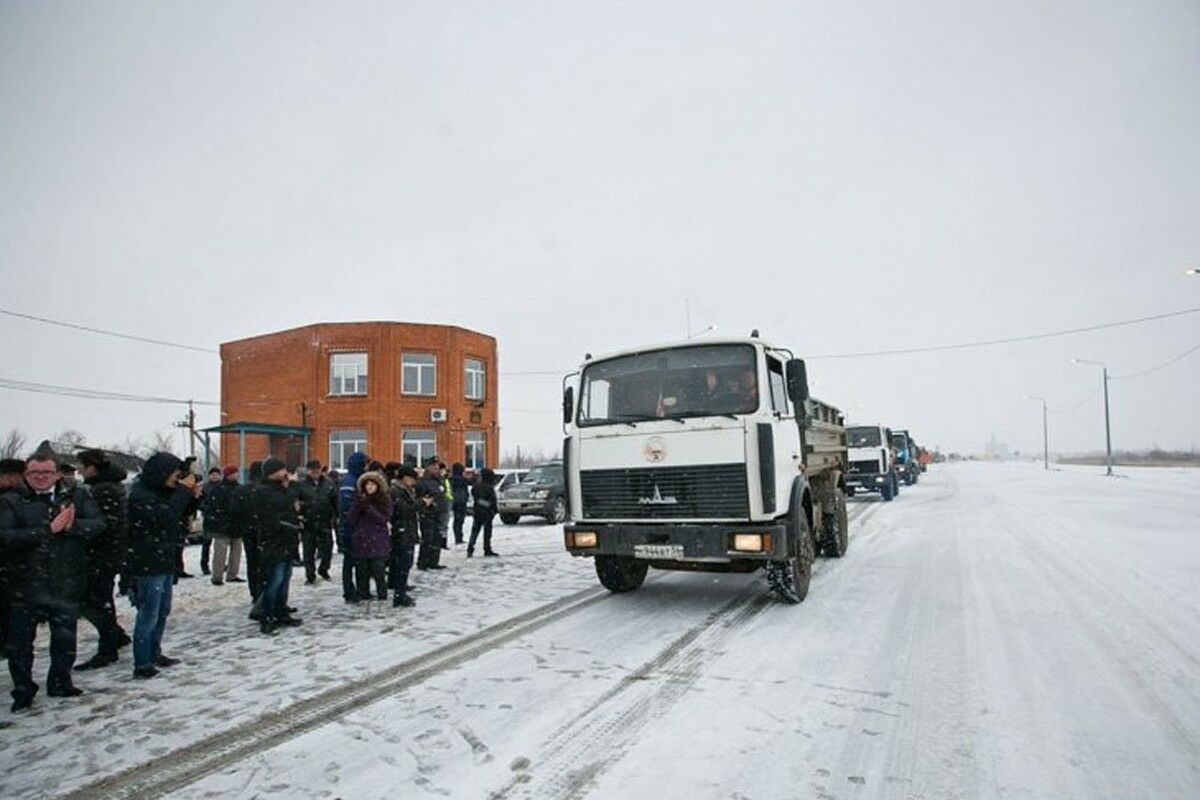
[(582, 539), (752, 542)]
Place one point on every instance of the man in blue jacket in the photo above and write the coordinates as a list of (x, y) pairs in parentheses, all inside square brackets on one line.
[(356, 465)]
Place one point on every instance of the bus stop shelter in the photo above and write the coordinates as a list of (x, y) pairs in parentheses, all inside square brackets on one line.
[(244, 429)]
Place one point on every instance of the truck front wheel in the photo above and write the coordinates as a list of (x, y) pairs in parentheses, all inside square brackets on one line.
[(888, 490), (789, 579), (621, 573)]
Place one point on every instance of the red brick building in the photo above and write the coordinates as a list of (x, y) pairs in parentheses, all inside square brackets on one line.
[(392, 389)]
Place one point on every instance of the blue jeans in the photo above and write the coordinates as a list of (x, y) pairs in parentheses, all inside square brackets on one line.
[(277, 577), (153, 607)]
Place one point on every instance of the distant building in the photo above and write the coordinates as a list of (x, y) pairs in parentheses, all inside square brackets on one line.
[(394, 390), (996, 451)]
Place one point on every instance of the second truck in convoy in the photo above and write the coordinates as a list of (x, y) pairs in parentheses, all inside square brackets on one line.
[(872, 461), (707, 457)]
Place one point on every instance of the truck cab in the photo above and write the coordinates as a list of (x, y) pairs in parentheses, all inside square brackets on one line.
[(908, 467), (702, 457), (872, 461)]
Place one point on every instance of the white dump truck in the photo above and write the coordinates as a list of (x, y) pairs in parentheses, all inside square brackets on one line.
[(872, 461), (707, 457)]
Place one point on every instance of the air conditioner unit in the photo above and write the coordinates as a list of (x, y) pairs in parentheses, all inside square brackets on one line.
[(437, 415)]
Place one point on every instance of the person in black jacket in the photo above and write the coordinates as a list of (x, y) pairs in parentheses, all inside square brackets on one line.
[(483, 512), (319, 505), (158, 505), (219, 523), (406, 533), (11, 470), (44, 527), (432, 496), (106, 555), (460, 489), (214, 482), (278, 543)]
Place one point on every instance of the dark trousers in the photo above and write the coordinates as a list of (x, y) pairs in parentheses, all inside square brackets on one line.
[(401, 566), (460, 516), (205, 551), (368, 569), (484, 522), (180, 567), (277, 576), (254, 570), (318, 542), (431, 542), (100, 610), (5, 610), (349, 590), (23, 622)]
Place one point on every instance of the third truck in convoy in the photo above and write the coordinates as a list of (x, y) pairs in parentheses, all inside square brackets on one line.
[(708, 457)]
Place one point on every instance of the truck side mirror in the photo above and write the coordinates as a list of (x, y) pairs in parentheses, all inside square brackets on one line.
[(797, 381), (568, 404)]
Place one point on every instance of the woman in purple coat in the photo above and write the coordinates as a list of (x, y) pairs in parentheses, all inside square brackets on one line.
[(369, 515)]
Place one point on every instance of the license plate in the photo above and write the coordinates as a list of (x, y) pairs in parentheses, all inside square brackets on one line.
[(658, 551)]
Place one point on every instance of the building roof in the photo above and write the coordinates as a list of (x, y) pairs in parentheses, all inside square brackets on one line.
[(259, 427), (355, 323)]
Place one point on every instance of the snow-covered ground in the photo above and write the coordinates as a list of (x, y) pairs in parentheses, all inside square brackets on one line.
[(997, 631)]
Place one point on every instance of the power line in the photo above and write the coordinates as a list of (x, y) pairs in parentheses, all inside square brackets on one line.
[(1011, 339), (1164, 365), (102, 332), (94, 394)]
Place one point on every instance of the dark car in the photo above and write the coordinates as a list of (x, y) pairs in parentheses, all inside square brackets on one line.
[(541, 493)]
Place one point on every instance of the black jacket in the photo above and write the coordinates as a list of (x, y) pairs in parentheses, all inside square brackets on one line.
[(278, 508), (461, 488), (406, 531), (485, 500), (318, 502), (432, 487), (215, 506), (243, 512), (106, 550), (157, 526), (46, 568)]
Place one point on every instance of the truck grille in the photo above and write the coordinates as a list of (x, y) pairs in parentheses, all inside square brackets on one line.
[(864, 466), (710, 491)]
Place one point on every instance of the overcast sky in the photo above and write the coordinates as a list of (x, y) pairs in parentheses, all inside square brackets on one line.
[(565, 176)]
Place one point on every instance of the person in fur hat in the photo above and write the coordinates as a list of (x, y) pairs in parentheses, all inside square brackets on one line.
[(369, 515)]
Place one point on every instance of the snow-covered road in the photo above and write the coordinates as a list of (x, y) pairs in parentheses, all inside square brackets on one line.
[(997, 631)]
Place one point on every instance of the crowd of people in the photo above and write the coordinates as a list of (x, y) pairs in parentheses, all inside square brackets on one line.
[(66, 545)]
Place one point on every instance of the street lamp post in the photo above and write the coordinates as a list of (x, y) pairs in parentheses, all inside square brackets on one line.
[(1192, 271), (1107, 426), (1045, 431), (699, 333)]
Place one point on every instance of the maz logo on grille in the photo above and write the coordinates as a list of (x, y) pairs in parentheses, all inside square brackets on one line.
[(657, 499)]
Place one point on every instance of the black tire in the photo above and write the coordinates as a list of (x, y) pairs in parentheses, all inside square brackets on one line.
[(557, 513), (849, 491), (510, 519), (789, 579), (835, 534), (621, 573), (888, 490)]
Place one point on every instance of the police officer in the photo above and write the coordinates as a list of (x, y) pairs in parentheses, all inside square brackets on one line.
[(432, 496), (319, 505)]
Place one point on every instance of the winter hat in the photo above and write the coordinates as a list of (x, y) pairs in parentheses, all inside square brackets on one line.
[(488, 475), (93, 458), (272, 465), (229, 472), (457, 469), (407, 471), (372, 477), (12, 466), (313, 464)]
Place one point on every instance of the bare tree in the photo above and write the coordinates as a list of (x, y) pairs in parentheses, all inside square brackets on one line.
[(71, 438), (12, 445), (522, 458), (161, 443)]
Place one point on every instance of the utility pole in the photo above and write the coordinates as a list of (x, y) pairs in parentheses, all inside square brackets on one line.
[(1107, 425), (1045, 431), (191, 425)]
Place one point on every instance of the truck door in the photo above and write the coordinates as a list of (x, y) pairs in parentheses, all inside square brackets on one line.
[(786, 435)]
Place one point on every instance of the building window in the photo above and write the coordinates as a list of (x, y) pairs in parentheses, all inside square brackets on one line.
[(348, 373), (419, 373), (476, 450), (342, 444), (475, 379), (417, 446)]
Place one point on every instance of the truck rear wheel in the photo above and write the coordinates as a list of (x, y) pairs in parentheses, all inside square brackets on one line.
[(621, 573), (835, 534), (789, 579)]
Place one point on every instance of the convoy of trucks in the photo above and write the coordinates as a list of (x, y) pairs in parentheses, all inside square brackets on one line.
[(713, 457)]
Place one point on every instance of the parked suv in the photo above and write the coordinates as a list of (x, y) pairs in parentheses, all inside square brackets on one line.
[(541, 493)]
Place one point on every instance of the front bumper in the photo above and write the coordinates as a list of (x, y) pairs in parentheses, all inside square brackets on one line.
[(712, 543), (522, 506), (866, 481)]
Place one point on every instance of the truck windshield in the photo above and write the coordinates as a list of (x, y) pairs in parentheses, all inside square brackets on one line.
[(899, 441), (699, 381), (862, 437)]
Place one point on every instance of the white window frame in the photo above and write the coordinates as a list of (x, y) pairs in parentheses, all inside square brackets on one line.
[(421, 442), (473, 440), (338, 454), (422, 390), (338, 377), (474, 380)]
